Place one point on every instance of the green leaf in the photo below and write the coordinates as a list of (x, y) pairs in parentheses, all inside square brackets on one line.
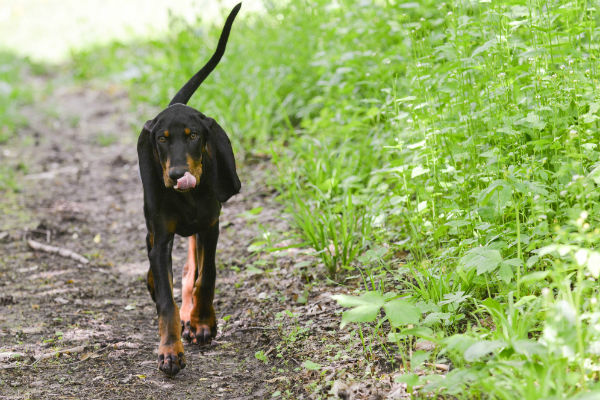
[(365, 307), (400, 312), (532, 121), (480, 349), (498, 193), (352, 301), (436, 317), (535, 276), (311, 366), (482, 258), (418, 358), (260, 355), (418, 171), (459, 343), (595, 175), (529, 347), (505, 272), (410, 379)]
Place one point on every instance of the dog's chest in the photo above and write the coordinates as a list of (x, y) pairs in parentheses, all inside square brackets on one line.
[(193, 214)]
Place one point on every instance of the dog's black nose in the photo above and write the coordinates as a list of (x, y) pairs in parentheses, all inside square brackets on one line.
[(177, 172)]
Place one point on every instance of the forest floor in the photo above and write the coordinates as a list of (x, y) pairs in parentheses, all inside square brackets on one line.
[(89, 331)]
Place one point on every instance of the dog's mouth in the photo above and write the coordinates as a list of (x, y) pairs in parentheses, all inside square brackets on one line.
[(185, 183)]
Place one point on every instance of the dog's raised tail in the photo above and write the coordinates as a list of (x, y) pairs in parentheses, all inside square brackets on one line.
[(186, 92)]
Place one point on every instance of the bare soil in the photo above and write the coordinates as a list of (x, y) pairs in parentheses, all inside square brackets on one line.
[(77, 331)]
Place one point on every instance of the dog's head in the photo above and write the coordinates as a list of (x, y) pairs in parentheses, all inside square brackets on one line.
[(190, 148)]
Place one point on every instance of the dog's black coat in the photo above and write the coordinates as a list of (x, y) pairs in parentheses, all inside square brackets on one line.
[(181, 139)]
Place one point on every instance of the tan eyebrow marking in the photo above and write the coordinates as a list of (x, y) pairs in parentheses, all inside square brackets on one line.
[(187, 131), (166, 133)]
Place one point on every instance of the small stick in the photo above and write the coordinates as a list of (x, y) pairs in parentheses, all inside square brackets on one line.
[(57, 250), (77, 349), (442, 367)]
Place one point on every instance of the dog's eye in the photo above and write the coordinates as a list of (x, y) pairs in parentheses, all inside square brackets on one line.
[(193, 136), (162, 139)]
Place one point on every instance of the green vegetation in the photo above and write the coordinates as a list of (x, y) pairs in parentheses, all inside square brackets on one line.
[(13, 95), (444, 153)]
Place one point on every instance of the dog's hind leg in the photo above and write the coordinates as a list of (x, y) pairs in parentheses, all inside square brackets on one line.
[(189, 275), (203, 323)]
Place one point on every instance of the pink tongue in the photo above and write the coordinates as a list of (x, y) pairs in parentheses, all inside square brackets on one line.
[(186, 181)]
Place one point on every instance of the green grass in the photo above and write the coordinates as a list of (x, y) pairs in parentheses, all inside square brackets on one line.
[(15, 92), (464, 134)]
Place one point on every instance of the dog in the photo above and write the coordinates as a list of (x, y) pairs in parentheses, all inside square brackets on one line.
[(188, 169)]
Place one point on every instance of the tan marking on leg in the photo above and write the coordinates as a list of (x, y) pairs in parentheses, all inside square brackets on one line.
[(187, 281), (150, 284), (170, 348)]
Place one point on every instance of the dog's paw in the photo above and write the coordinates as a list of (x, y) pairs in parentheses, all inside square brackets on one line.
[(198, 331), (203, 334), (171, 359)]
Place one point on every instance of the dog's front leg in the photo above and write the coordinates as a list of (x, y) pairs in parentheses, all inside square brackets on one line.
[(170, 350)]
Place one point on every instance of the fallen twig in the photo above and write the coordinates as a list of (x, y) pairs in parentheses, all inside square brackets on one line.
[(57, 250), (442, 367), (256, 328), (72, 350)]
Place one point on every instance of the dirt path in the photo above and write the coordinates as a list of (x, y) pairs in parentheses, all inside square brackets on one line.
[(82, 192), (74, 331)]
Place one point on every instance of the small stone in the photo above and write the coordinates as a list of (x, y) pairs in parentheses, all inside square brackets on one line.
[(340, 389), (424, 345)]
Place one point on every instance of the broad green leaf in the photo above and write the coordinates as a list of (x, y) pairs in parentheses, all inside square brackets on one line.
[(480, 349), (532, 121), (528, 347), (482, 258), (410, 379), (400, 312), (505, 272), (436, 317), (459, 343), (418, 171), (364, 299), (418, 358), (366, 313), (365, 307)]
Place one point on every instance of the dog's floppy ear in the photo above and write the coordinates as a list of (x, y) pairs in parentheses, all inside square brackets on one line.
[(222, 172), (147, 155)]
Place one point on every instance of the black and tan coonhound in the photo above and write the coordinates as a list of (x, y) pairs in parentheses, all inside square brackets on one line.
[(187, 169)]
